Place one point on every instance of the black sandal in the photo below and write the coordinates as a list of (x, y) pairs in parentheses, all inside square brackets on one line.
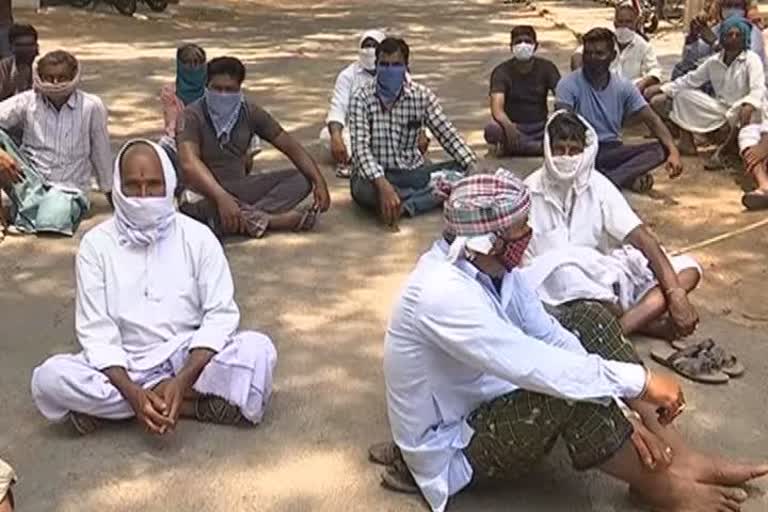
[(212, 409), (691, 362)]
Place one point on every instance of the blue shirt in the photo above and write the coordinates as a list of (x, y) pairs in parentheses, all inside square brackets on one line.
[(454, 342), (604, 109)]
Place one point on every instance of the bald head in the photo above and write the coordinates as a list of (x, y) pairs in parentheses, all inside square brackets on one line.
[(141, 171)]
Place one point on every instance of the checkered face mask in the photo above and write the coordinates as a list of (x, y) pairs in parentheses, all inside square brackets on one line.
[(514, 251)]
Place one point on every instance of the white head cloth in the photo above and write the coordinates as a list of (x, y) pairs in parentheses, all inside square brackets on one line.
[(142, 221), (376, 35)]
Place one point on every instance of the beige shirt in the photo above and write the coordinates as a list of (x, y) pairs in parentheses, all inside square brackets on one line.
[(636, 61)]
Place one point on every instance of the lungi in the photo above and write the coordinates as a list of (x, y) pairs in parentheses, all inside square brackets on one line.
[(241, 374), (516, 431), (697, 112)]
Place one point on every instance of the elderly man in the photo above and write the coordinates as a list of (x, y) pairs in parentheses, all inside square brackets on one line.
[(737, 77), (156, 318), (483, 387), (519, 90), (753, 145), (16, 70), (7, 479), (389, 173), (589, 244), (607, 100), (214, 139), (636, 59)]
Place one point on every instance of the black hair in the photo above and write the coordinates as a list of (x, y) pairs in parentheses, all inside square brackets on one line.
[(600, 35), (522, 30), (229, 66), (186, 50), (57, 57), (567, 126), (21, 30), (392, 45)]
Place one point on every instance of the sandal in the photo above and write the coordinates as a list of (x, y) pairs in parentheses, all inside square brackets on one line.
[(84, 424), (212, 409), (715, 163), (343, 171), (642, 184), (398, 478), (308, 220), (727, 362), (691, 362), (386, 453), (755, 200)]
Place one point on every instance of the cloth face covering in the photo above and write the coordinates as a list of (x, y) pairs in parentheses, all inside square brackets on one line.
[(190, 82), (523, 51), (224, 110), (367, 59), (55, 92), (624, 35), (389, 82), (142, 221), (514, 251)]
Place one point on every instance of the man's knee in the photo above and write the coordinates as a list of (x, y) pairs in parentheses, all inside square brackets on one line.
[(493, 133), (363, 192), (48, 380)]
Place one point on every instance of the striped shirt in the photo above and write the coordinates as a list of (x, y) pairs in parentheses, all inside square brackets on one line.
[(66, 146), (387, 139)]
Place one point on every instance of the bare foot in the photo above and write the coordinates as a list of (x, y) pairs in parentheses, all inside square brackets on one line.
[(684, 495), (662, 328), (717, 470)]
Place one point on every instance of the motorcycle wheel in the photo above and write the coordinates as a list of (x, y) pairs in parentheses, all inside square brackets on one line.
[(157, 5), (80, 3), (127, 7)]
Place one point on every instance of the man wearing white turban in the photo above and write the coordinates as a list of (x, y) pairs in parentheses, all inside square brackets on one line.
[(156, 318)]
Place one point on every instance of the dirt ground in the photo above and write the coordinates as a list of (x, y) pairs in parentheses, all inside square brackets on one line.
[(325, 297)]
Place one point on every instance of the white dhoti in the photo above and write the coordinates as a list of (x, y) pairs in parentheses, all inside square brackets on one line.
[(697, 112), (241, 374), (750, 135), (622, 277)]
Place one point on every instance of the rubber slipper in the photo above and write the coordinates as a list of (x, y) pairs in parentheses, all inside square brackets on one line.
[(642, 184), (727, 362), (85, 424), (691, 363), (343, 171), (386, 453), (308, 220), (715, 163), (755, 200), (398, 478)]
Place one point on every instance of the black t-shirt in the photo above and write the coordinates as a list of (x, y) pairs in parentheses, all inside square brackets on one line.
[(525, 94)]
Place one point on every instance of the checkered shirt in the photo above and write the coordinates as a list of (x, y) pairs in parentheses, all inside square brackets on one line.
[(486, 203), (384, 139)]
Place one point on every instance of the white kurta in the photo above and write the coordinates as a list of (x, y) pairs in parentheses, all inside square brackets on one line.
[(636, 61), (348, 82), (743, 82), (144, 309)]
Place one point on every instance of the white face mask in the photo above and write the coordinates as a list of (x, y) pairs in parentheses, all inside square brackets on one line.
[(566, 167), (624, 35), (523, 51), (367, 58)]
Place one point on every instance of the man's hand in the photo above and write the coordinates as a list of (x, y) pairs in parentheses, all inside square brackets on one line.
[(512, 135), (653, 451), (681, 311), (745, 114), (230, 215), (172, 393), (10, 172), (339, 150), (674, 165), (322, 197), (664, 391), (150, 410), (754, 156), (389, 202), (707, 34)]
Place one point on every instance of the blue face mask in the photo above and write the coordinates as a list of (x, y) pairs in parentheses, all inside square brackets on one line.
[(729, 12), (224, 110), (389, 82)]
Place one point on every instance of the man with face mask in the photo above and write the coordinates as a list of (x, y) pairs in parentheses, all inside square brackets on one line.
[(16, 70), (636, 59), (518, 97), (156, 318), (389, 172), (335, 135), (607, 101), (583, 227), (214, 138)]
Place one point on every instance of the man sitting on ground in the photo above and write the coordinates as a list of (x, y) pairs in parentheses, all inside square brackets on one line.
[(156, 317), (606, 101), (7, 479), (16, 70), (389, 172), (214, 137), (589, 244), (636, 59), (519, 89), (753, 145), (737, 78), (481, 381)]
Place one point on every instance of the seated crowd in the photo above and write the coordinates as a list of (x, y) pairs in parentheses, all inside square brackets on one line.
[(554, 272)]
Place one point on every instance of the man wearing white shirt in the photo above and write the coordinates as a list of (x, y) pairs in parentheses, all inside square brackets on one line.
[(753, 146), (482, 387), (737, 76), (156, 318)]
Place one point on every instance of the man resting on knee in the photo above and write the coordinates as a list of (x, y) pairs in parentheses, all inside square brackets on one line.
[(589, 244), (156, 318), (481, 381)]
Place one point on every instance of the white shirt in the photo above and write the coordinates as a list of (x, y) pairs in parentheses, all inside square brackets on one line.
[(453, 343), (348, 82), (136, 306), (741, 82), (600, 217), (65, 146), (636, 61)]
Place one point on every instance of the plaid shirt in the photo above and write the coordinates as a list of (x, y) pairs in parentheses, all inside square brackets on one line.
[(384, 139)]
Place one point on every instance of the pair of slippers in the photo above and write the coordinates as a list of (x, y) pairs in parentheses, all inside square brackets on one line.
[(704, 362)]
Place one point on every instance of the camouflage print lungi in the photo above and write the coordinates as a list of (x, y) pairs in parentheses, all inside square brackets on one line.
[(516, 431)]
